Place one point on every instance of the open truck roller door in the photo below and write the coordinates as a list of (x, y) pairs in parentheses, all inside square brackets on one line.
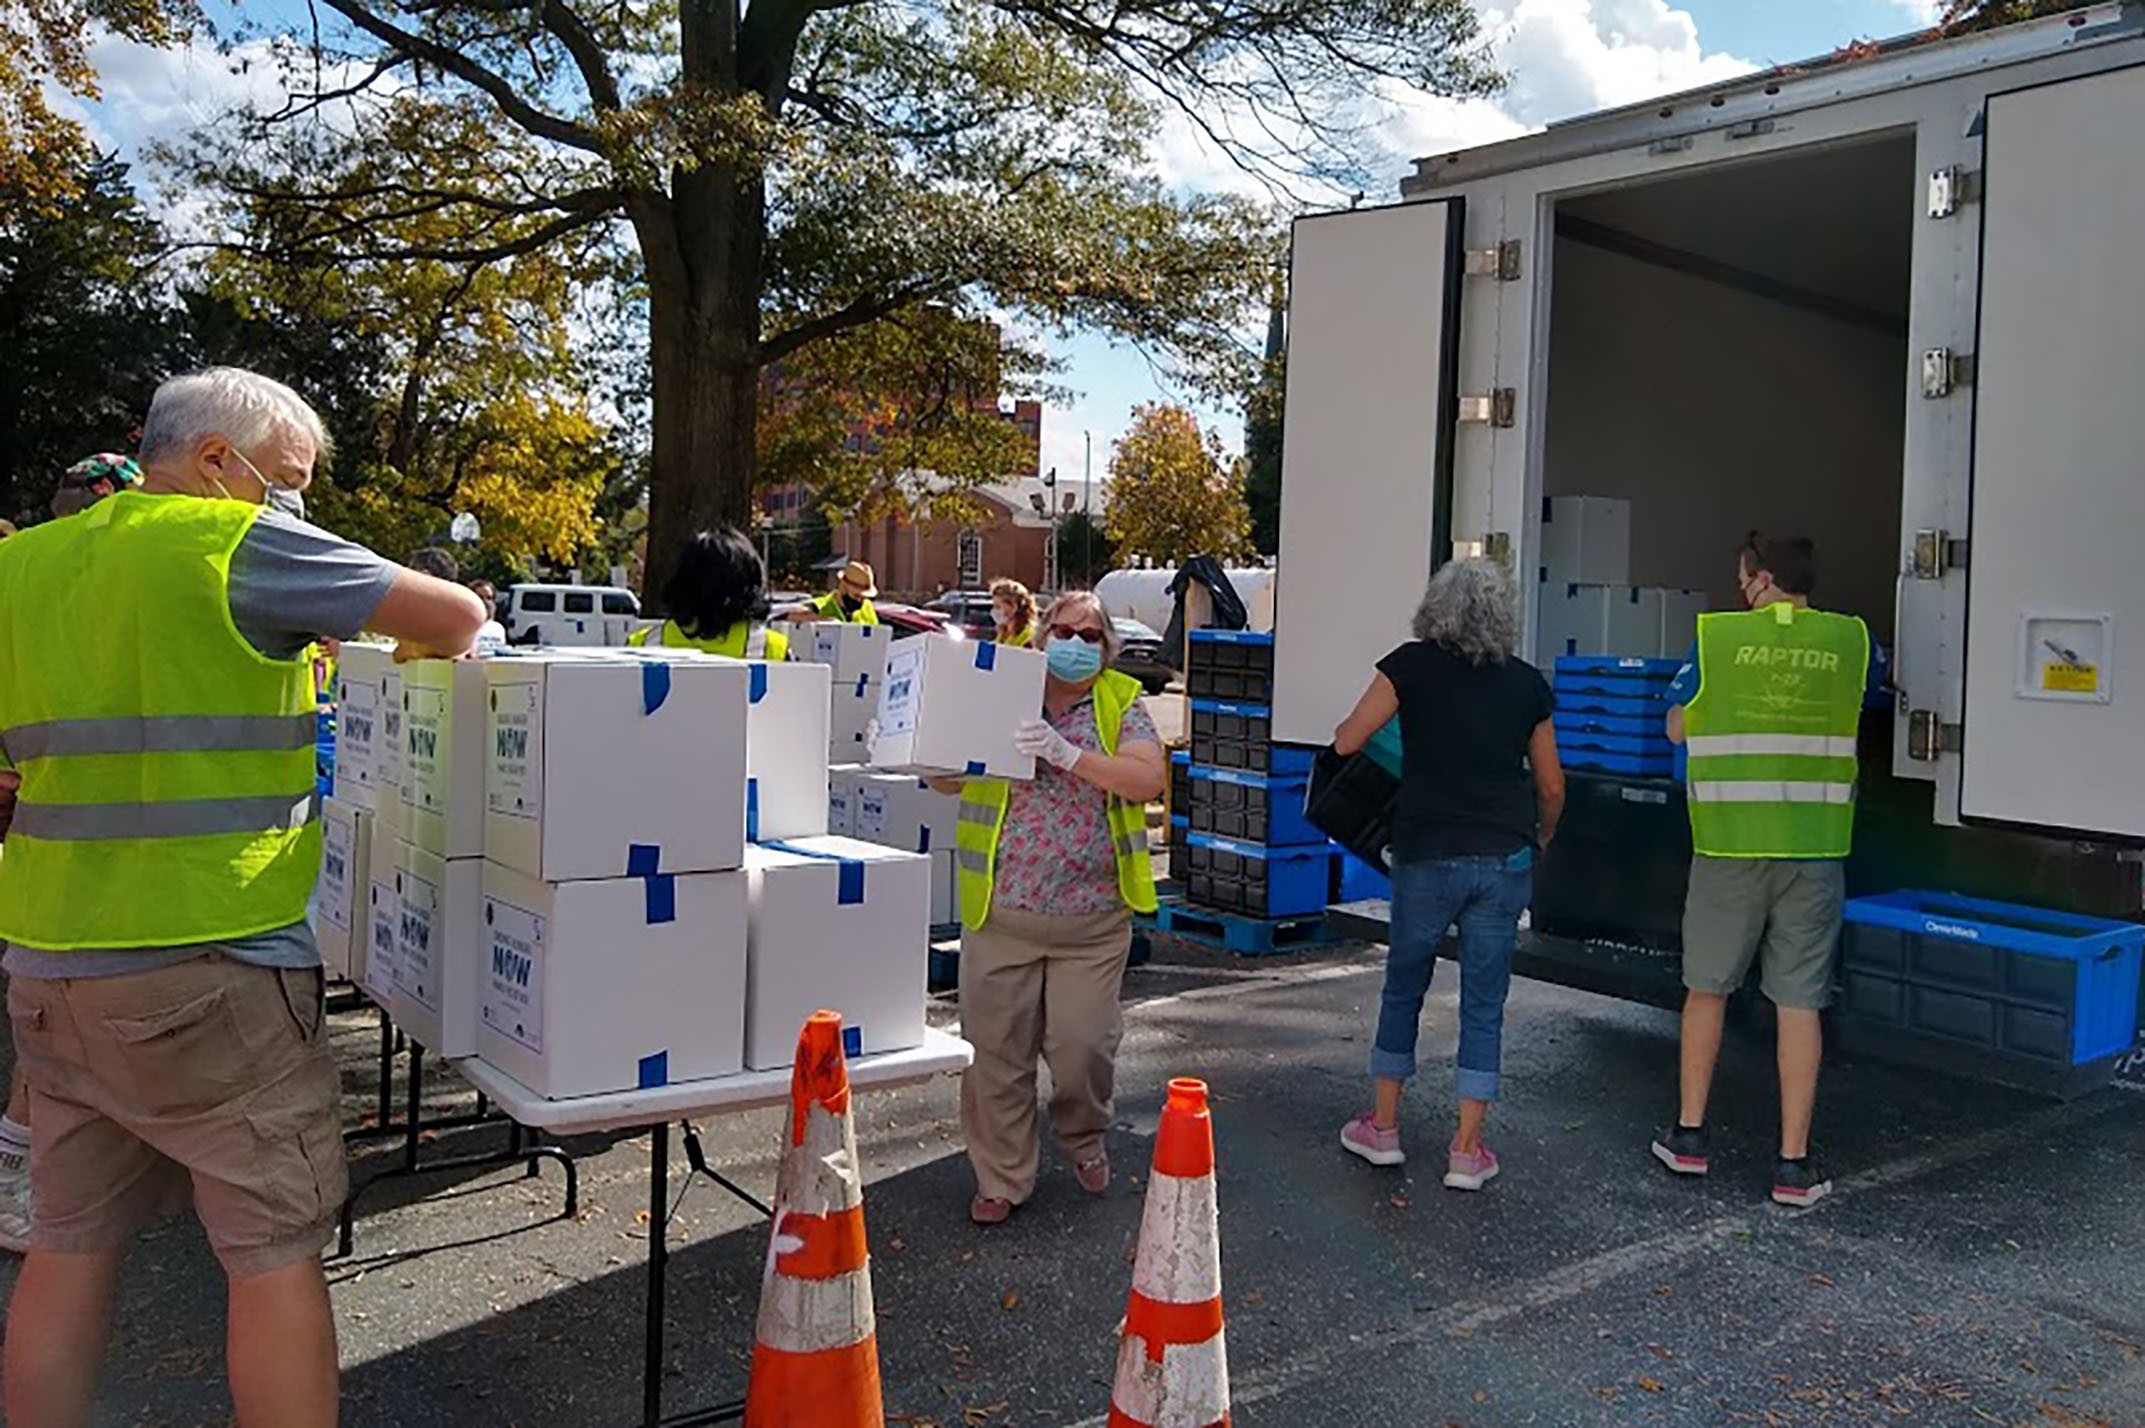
[(1889, 302)]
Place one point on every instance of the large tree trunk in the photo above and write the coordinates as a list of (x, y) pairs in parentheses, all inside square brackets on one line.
[(703, 245)]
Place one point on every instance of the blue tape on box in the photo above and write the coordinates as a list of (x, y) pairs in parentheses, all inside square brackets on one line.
[(851, 871), (642, 861), (986, 655), (758, 686), (752, 810), (852, 1041), (655, 1071), (923, 840), (863, 683), (975, 768), (655, 685)]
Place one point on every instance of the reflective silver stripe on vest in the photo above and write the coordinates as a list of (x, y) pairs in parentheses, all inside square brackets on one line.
[(1759, 790), (756, 642), (181, 818), (1130, 845), (971, 861), (163, 734), (1707, 746), (981, 813)]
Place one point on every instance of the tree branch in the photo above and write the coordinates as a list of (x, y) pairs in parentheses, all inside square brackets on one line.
[(845, 319), (536, 121)]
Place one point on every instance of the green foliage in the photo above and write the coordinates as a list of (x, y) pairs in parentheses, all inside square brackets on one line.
[(44, 49), (1262, 430), (1085, 551), (1988, 14), (88, 337), (1171, 494)]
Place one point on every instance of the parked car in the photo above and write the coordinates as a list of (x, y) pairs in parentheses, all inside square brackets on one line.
[(970, 609), (1140, 653), (568, 614)]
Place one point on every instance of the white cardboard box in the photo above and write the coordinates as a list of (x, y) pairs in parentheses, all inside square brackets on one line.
[(390, 750), (839, 924), (436, 950), (945, 898), (1586, 540), (902, 811), (590, 759), (853, 704), (1634, 622), (952, 706), (443, 714), (362, 735), (1597, 620), (625, 983), (787, 729), (374, 971), (855, 651), (1680, 610), (340, 900), (843, 783)]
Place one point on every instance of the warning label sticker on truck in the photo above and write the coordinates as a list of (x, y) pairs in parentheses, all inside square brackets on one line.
[(2071, 678)]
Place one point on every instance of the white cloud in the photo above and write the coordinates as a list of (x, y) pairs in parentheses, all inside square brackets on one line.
[(1569, 57), (1922, 12)]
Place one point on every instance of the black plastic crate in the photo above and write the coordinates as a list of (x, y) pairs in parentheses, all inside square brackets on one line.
[(1250, 686), (1180, 783), (1620, 867), (1251, 808)]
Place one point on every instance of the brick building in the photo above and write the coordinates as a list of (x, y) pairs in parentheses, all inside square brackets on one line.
[(1011, 537)]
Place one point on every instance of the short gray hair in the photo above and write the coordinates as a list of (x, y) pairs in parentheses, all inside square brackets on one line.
[(1073, 600), (244, 408), (1472, 609)]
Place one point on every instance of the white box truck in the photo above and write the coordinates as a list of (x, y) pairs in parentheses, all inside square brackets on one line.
[(1892, 301)]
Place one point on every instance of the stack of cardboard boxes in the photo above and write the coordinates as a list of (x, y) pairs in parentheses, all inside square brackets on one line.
[(601, 870), (1587, 604)]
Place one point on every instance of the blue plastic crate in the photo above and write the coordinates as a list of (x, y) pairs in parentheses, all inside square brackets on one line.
[(1629, 726), (1252, 807), (1651, 704), (1629, 765), (1232, 637), (1617, 667), (1258, 881), (1643, 746), (1360, 881), (2017, 981)]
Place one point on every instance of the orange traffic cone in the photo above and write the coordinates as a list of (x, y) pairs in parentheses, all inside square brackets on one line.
[(815, 1360), (1172, 1367)]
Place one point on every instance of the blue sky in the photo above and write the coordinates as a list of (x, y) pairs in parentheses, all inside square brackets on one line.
[(1566, 57)]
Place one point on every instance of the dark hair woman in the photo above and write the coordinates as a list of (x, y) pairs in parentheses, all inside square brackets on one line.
[(717, 598)]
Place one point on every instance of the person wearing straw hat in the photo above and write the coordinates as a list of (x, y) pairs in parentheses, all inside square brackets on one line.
[(850, 599)]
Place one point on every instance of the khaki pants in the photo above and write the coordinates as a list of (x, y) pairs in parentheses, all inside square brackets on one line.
[(1034, 985)]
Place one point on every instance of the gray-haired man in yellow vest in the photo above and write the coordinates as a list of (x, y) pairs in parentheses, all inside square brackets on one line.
[(164, 987), (1767, 710)]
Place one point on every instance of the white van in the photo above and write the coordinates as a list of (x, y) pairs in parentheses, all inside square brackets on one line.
[(569, 614)]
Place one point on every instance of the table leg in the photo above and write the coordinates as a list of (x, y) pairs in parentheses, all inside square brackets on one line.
[(658, 1266), (387, 1067), (416, 1101)]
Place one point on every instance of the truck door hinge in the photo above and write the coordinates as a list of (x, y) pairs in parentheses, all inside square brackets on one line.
[(1951, 189), (1501, 262), (1937, 554), (1499, 408), (1945, 371), (1929, 737), (1497, 546)]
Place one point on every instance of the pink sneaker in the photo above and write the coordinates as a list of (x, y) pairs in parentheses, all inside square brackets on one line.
[(1470, 1170), (1379, 1147)]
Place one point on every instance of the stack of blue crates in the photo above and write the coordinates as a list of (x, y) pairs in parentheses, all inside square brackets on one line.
[(1612, 714), (1246, 847)]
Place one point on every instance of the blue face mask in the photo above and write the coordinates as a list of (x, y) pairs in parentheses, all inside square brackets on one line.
[(1074, 661)]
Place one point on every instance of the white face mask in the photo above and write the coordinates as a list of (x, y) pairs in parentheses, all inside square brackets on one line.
[(266, 486)]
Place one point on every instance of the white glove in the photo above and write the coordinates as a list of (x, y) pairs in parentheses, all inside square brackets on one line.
[(871, 741), (1037, 739)]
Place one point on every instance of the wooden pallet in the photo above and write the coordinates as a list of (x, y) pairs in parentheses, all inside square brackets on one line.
[(1248, 936)]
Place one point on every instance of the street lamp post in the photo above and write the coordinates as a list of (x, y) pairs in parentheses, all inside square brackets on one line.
[(1087, 509)]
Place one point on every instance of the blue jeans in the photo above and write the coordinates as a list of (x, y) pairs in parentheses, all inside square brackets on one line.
[(1483, 896)]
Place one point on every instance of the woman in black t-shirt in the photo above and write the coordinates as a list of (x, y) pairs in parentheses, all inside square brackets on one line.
[(1480, 794)]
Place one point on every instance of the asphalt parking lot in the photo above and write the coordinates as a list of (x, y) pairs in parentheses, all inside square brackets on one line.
[(1983, 1261)]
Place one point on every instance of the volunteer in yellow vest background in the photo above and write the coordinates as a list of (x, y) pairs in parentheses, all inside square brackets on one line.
[(1012, 613), (716, 600), (1767, 711), (1050, 873), (850, 599), (156, 703)]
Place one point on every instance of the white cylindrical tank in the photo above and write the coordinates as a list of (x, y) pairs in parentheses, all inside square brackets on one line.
[(1143, 595)]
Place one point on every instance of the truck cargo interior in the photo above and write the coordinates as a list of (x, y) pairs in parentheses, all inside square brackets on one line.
[(1728, 352)]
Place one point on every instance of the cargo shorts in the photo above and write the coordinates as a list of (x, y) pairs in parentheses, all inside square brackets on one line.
[(1784, 911), (212, 1077)]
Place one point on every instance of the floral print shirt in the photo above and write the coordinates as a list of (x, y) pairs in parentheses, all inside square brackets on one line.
[(1054, 853)]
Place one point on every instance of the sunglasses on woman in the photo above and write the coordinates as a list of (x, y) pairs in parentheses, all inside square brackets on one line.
[(1070, 632)]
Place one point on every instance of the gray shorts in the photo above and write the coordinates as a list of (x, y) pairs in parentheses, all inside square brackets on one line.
[(1786, 908)]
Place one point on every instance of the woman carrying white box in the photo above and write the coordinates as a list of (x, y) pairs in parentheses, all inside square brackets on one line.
[(1050, 873)]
